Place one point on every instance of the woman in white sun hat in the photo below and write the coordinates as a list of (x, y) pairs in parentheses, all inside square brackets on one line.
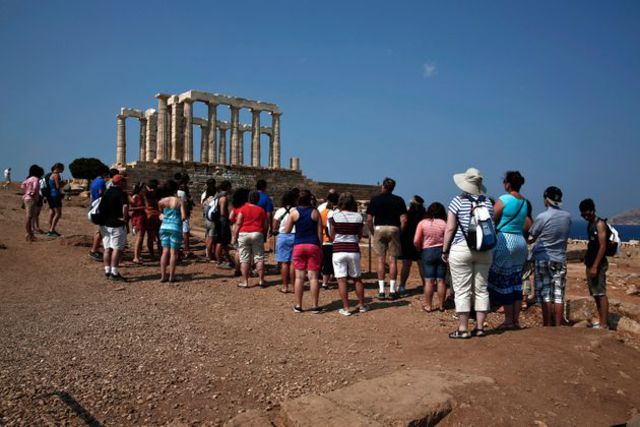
[(469, 267)]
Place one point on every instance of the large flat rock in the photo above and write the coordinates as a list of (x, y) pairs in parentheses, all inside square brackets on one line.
[(252, 418), (403, 398)]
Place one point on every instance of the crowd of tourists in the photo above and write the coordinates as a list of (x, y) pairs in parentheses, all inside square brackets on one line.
[(482, 243)]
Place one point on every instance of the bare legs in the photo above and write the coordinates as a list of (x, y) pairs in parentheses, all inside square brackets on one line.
[(344, 294), (512, 314), (54, 217), (288, 275), (245, 269), (428, 293), (169, 258), (552, 314), (602, 303), (137, 249), (97, 239), (299, 287)]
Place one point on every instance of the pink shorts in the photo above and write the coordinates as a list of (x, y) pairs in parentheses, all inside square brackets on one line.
[(307, 256)]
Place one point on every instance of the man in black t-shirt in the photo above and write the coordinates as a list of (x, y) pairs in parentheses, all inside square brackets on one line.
[(114, 210), (596, 261), (386, 217)]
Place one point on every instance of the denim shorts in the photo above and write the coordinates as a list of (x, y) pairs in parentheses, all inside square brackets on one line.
[(284, 247), (432, 265)]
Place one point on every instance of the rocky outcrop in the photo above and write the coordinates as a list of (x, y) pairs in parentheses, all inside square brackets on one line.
[(630, 217)]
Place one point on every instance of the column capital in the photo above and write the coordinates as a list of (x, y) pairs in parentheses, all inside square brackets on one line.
[(188, 101), (163, 96), (121, 117), (275, 113)]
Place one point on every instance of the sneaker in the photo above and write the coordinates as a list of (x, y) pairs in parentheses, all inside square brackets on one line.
[(316, 310), (297, 309), (324, 286), (117, 278), (344, 312), (51, 234), (393, 296), (402, 291), (97, 256), (363, 308), (382, 296)]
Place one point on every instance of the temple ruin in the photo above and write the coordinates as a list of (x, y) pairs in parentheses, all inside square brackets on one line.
[(166, 144)]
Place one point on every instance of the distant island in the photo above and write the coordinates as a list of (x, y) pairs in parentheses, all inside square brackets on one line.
[(630, 217)]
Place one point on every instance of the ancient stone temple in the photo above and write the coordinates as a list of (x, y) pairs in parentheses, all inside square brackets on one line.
[(166, 144)]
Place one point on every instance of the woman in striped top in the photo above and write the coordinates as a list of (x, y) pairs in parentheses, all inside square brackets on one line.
[(346, 232)]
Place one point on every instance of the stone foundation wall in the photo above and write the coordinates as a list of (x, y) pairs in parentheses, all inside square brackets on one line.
[(279, 180)]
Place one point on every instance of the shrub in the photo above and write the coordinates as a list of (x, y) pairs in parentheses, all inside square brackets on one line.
[(87, 168)]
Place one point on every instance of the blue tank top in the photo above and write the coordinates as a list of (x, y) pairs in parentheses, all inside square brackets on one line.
[(513, 208), (52, 186), (171, 220), (306, 228)]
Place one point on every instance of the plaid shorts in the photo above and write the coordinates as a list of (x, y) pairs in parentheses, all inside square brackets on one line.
[(550, 280)]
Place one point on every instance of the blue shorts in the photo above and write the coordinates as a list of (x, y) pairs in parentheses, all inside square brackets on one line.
[(432, 265), (171, 239), (284, 247)]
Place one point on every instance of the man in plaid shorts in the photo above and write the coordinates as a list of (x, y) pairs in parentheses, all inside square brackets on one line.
[(550, 232)]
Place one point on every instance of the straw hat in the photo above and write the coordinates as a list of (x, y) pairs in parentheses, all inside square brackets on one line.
[(470, 182)]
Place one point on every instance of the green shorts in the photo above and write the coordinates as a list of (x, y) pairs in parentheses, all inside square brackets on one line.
[(598, 285)]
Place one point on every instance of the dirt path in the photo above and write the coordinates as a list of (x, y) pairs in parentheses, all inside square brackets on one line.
[(75, 348)]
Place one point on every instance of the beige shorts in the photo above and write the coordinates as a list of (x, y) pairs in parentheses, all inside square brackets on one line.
[(251, 244), (30, 207), (386, 240)]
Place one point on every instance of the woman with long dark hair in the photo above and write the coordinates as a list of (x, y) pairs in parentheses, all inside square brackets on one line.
[(409, 254), (429, 239)]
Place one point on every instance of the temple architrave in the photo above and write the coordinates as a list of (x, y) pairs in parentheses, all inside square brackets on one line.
[(166, 144)]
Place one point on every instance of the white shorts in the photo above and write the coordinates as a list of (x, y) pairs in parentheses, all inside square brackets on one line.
[(114, 237), (186, 226), (251, 244), (346, 264)]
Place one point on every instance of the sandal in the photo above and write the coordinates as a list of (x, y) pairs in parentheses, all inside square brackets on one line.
[(242, 285), (478, 333), (427, 309), (459, 335), (284, 291)]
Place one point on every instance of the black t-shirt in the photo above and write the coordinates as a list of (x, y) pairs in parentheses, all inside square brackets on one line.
[(386, 209), (594, 243), (111, 206)]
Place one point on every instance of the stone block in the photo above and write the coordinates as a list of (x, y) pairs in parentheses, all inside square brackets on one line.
[(419, 398), (579, 309), (252, 418), (316, 410)]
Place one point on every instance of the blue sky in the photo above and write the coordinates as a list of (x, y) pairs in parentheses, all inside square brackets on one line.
[(413, 90)]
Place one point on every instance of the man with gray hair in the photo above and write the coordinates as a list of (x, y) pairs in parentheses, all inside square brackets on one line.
[(550, 232)]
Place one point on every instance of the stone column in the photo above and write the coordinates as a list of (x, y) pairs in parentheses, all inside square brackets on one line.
[(143, 140), (270, 160), (188, 131), (241, 146), (294, 163), (255, 138), (212, 140), (275, 124), (152, 119), (176, 132), (204, 144), (161, 142), (222, 158), (235, 117), (121, 152)]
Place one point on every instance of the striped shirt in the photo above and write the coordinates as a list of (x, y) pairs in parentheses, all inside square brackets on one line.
[(348, 226), (430, 233), (460, 206)]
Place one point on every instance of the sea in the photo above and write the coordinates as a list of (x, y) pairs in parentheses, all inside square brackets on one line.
[(626, 232)]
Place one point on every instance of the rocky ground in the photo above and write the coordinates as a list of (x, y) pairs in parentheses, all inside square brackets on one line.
[(77, 349)]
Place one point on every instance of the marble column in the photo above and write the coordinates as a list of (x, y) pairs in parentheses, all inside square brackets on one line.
[(222, 158), (270, 159), (241, 146), (177, 150), (294, 163), (161, 142), (152, 125), (121, 152), (275, 124), (212, 140), (235, 117), (255, 138), (204, 144), (143, 140), (188, 131)]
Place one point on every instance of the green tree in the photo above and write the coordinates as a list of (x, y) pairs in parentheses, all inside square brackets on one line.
[(87, 168)]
